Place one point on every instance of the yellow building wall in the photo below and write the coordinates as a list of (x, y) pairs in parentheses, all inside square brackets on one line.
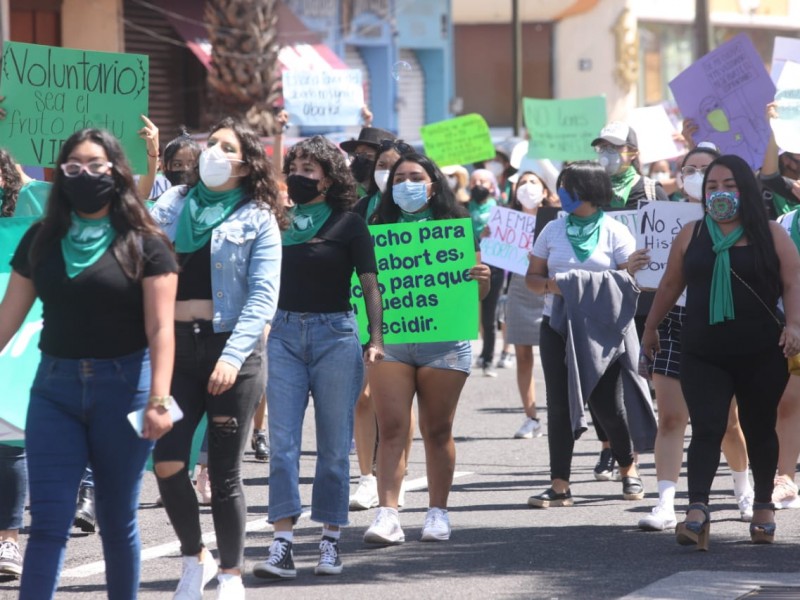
[(92, 25)]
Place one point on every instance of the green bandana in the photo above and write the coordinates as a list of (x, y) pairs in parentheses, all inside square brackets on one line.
[(584, 234), (622, 183), (372, 205), (203, 211), (306, 222), (32, 199), (720, 305), (794, 233), (782, 205), (425, 215), (480, 214), (85, 243)]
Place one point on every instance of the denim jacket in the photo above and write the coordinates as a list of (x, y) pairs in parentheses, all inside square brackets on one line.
[(245, 270)]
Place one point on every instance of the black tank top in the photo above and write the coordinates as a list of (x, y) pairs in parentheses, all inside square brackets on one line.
[(752, 330), (194, 279)]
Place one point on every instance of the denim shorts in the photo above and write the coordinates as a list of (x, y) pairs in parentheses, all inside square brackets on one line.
[(454, 356)]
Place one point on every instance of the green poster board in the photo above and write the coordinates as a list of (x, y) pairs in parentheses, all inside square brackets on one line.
[(458, 141), (423, 275), (564, 129), (53, 92)]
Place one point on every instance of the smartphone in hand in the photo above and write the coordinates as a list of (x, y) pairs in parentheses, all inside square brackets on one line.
[(136, 418)]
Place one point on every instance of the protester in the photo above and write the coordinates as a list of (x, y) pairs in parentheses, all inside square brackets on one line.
[(733, 264), (313, 347), (180, 159), (105, 276), (587, 253), (434, 371), (225, 227), (363, 153), (780, 188), (458, 180)]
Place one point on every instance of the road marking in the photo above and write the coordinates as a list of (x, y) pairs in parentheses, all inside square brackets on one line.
[(260, 524)]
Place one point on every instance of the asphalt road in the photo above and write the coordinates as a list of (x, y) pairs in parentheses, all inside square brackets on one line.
[(500, 548)]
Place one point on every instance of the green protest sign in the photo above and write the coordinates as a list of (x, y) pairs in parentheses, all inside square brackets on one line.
[(20, 358), (423, 275), (564, 129), (458, 141), (53, 92)]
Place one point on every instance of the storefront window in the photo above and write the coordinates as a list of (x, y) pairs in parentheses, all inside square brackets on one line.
[(665, 49)]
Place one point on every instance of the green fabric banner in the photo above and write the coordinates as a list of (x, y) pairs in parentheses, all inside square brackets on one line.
[(423, 275)]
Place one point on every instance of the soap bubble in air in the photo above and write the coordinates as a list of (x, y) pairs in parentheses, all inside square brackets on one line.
[(400, 68)]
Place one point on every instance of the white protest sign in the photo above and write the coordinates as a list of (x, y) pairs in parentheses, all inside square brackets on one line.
[(654, 132), (784, 49), (510, 239), (629, 218), (659, 223), (322, 98), (787, 126)]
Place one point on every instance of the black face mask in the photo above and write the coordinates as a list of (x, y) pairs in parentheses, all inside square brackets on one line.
[(176, 177), (479, 194), (87, 194), (302, 190), (361, 167)]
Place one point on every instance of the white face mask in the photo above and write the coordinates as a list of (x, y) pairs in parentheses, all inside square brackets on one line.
[(530, 194), (215, 168), (693, 186), (381, 179)]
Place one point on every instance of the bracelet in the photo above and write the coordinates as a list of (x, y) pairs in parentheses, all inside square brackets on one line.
[(160, 401)]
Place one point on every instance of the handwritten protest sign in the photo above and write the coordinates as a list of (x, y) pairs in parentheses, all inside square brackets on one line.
[(659, 223), (458, 141), (423, 276), (782, 50), (510, 239), (654, 132), (564, 129), (725, 93), (333, 97), (53, 92), (787, 97)]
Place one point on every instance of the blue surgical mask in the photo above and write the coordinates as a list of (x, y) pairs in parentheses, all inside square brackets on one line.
[(410, 196), (568, 202), (722, 206), (610, 160)]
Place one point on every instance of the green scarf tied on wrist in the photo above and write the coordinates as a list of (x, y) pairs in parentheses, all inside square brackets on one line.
[(584, 233), (424, 215), (720, 305), (85, 243), (306, 220), (203, 210), (621, 184)]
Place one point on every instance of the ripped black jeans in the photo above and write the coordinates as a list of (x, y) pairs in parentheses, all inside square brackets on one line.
[(197, 349)]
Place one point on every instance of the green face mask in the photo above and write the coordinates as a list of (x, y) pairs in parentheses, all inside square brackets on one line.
[(718, 120)]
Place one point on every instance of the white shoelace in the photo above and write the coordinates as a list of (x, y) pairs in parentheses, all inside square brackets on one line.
[(327, 553), (9, 551), (277, 551), (436, 519)]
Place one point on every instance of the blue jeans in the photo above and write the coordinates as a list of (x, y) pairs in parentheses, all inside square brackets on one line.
[(320, 353), (13, 486), (78, 415)]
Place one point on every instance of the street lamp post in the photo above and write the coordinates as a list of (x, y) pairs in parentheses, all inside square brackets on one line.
[(516, 75), (702, 29)]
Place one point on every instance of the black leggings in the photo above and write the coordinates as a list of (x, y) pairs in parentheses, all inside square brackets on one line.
[(489, 314), (603, 402), (197, 350), (708, 384)]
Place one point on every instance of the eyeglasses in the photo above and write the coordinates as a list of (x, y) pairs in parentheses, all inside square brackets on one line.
[(399, 146), (611, 148), (94, 169), (689, 171)]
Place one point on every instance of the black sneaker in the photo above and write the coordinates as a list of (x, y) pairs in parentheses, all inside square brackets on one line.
[(329, 561), (279, 563), (261, 446), (551, 498), (632, 488), (604, 469)]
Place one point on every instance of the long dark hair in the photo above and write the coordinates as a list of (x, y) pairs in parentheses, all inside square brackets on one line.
[(587, 181), (442, 202), (399, 146), (755, 221), (184, 140), (341, 194), (12, 183), (128, 215), (546, 192)]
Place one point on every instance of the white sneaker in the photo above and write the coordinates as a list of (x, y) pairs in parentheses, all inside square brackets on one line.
[(660, 518), (785, 493), (195, 576), (437, 526), (203, 486), (531, 428), (230, 587), (401, 496), (385, 529), (745, 502), (366, 494)]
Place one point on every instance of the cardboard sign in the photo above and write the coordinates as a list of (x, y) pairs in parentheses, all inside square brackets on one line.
[(319, 98), (510, 240), (725, 93), (53, 92), (787, 97), (423, 276), (459, 141), (654, 132), (564, 129)]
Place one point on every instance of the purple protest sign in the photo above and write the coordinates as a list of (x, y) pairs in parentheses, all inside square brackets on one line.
[(726, 93)]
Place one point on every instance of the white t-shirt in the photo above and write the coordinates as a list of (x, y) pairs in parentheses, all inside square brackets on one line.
[(614, 247)]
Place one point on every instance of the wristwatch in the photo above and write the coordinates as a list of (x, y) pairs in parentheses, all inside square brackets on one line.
[(161, 401)]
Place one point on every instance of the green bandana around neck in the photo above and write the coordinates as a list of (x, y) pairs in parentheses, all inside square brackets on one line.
[(781, 204), (583, 233), (424, 215), (720, 301), (794, 232), (306, 220), (203, 210), (621, 184), (480, 214), (372, 205), (85, 243)]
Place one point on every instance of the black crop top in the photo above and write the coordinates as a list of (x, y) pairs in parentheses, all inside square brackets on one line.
[(194, 279), (315, 276), (99, 313)]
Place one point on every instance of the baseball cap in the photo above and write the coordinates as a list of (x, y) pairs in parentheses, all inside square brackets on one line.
[(619, 134)]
